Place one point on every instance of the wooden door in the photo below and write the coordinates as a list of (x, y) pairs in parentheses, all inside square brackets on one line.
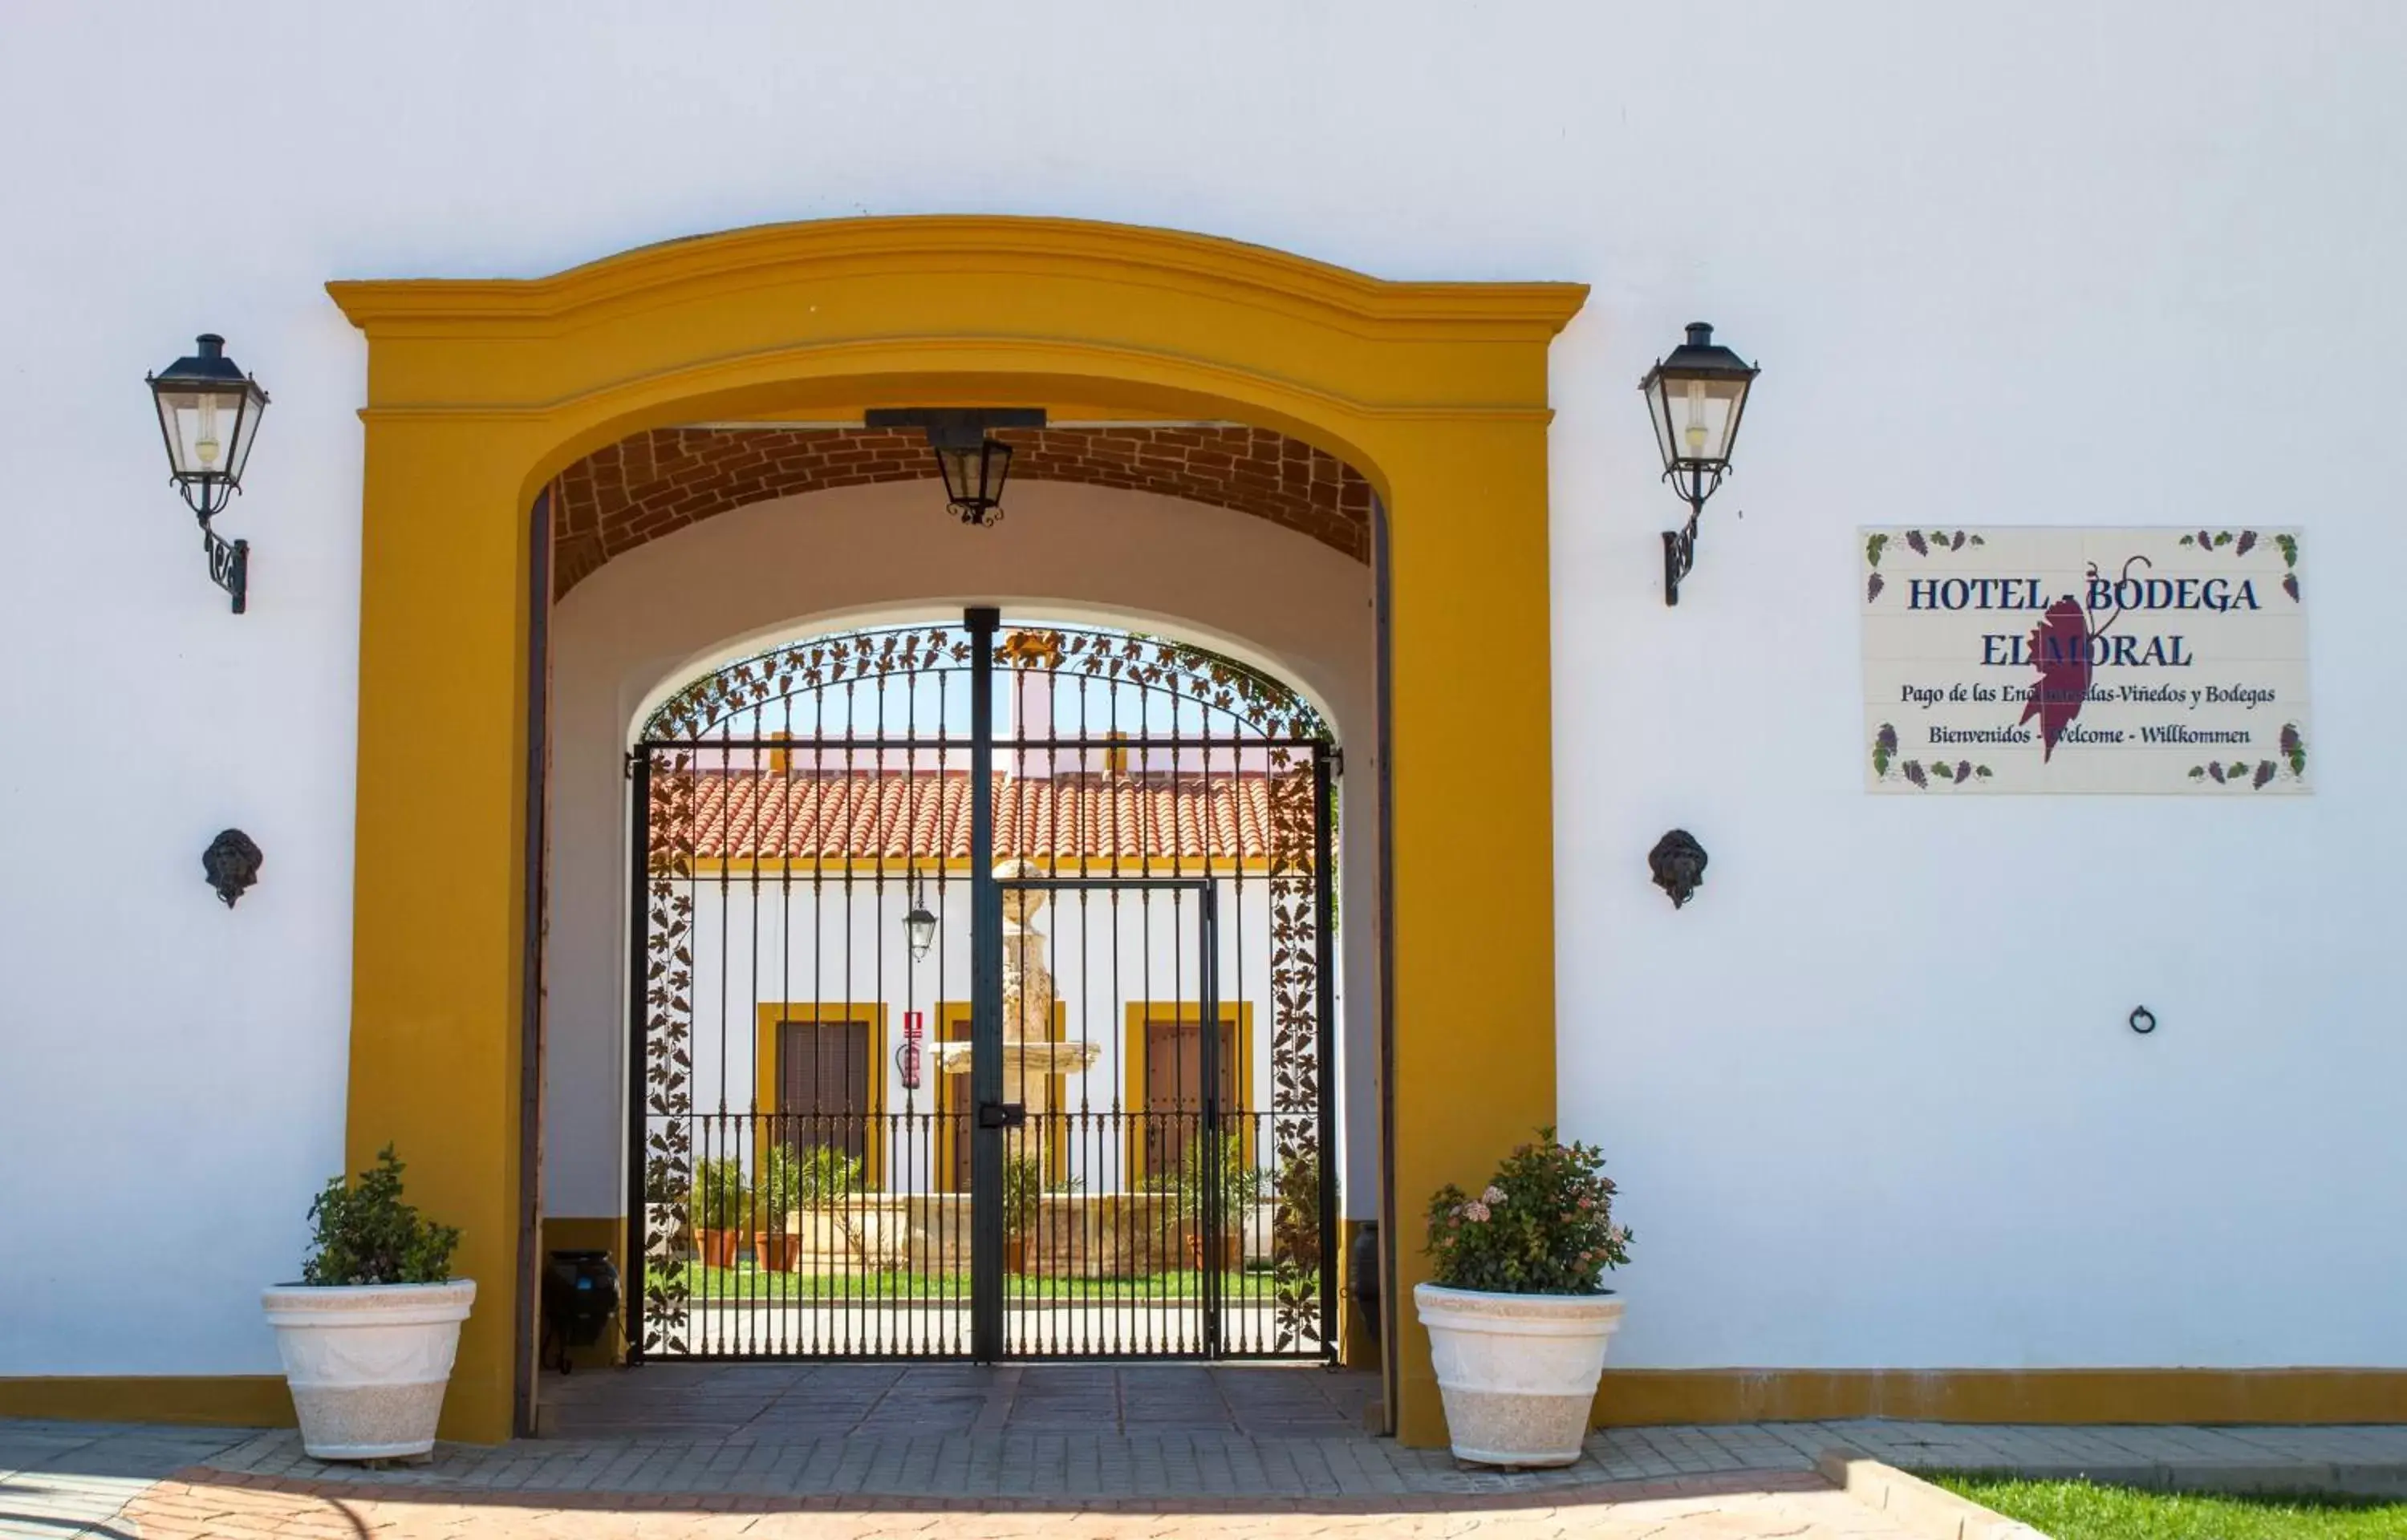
[(823, 1073)]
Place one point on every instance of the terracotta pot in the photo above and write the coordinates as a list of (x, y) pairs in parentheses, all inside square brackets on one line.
[(719, 1246), (1231, 1249), (1014, 1255), (1518, 1372), (776, 1251)]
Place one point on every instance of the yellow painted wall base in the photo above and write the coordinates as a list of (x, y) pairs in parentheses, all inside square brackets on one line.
[(564, 1233), (232, 1401), (1638, 1397)]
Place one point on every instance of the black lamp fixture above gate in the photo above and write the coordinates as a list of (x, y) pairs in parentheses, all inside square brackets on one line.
[(1696, 396), (972, 463), (208, 413)]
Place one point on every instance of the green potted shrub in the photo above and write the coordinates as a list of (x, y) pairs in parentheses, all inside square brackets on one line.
[(772, 1201), (1024, 1186), (721, 1204), (1217, 1161), (369, 1334), (791, 1183), (1516, 1311)]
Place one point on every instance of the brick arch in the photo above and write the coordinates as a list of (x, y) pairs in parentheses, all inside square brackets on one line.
[(650, 484)]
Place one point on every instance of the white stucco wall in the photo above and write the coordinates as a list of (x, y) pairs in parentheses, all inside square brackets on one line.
[(1870, 1096)]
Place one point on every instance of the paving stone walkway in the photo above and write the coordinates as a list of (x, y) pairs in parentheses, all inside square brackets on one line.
[(850, 1450), (61, 1480), (1774, 1506)]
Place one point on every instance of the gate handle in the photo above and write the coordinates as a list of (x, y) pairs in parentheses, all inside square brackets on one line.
[(1001, 1115)]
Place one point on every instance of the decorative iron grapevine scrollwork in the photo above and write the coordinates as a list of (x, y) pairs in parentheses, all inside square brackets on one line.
[(1260, 704), (668, 1050), (711, 701), (1254, 699), (1295, 1053)]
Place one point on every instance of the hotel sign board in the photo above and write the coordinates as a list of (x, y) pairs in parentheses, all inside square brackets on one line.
[(2084, 661)]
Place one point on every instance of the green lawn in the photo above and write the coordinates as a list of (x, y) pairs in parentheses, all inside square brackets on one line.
[(2076, 1510), (745, 1283)]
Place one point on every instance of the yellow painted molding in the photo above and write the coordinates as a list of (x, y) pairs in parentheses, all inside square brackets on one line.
[(226, 1401), (768, 1076), (1642, 1397), (981, 244), (479, 392)]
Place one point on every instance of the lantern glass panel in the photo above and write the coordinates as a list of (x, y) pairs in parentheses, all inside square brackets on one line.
[(959, 464), (209, 428), (995, 469), (1696, 416)]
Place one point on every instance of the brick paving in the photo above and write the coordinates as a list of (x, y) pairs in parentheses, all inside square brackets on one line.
[(1783, 1505), (855, 1450)]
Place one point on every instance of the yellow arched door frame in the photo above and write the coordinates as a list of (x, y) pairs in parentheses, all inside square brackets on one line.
[(480, 390)]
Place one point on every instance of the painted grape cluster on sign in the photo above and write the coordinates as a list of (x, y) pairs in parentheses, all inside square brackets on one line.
[(2084, 661)]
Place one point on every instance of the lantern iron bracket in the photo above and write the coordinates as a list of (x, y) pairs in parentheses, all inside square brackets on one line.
[(229, 564), (1680, 553), (1694, 483)]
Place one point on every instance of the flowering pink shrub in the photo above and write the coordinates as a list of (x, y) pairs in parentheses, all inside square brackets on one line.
[(1543, 1226)]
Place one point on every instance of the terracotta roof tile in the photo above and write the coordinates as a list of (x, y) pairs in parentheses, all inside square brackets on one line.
[(894, 814)]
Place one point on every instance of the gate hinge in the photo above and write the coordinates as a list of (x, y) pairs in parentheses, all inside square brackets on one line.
[(627, 770), (1337, 764)]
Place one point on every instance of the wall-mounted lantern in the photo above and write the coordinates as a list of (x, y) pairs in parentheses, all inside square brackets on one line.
[(972, 463), (1696, 396), (210, 412)]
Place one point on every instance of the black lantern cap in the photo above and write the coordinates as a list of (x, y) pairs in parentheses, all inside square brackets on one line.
[(1701, 355), (207, 366)]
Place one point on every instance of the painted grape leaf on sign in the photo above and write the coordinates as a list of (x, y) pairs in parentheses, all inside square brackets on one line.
[(2061, 649)]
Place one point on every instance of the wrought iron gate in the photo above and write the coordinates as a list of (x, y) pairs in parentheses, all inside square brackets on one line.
[(958, 1038)]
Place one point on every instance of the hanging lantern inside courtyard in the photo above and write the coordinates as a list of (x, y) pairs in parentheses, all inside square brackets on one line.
[(974, 468), (1695, 396), (972, 463), (920, 926)]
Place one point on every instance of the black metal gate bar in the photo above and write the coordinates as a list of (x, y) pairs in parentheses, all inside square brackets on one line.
[(986, 1006)]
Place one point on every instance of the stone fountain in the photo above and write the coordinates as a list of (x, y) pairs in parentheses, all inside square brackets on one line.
[(1032, 1057)]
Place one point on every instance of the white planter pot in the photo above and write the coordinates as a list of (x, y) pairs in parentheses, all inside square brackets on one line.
[(368, 1364), (1518, 1372)]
